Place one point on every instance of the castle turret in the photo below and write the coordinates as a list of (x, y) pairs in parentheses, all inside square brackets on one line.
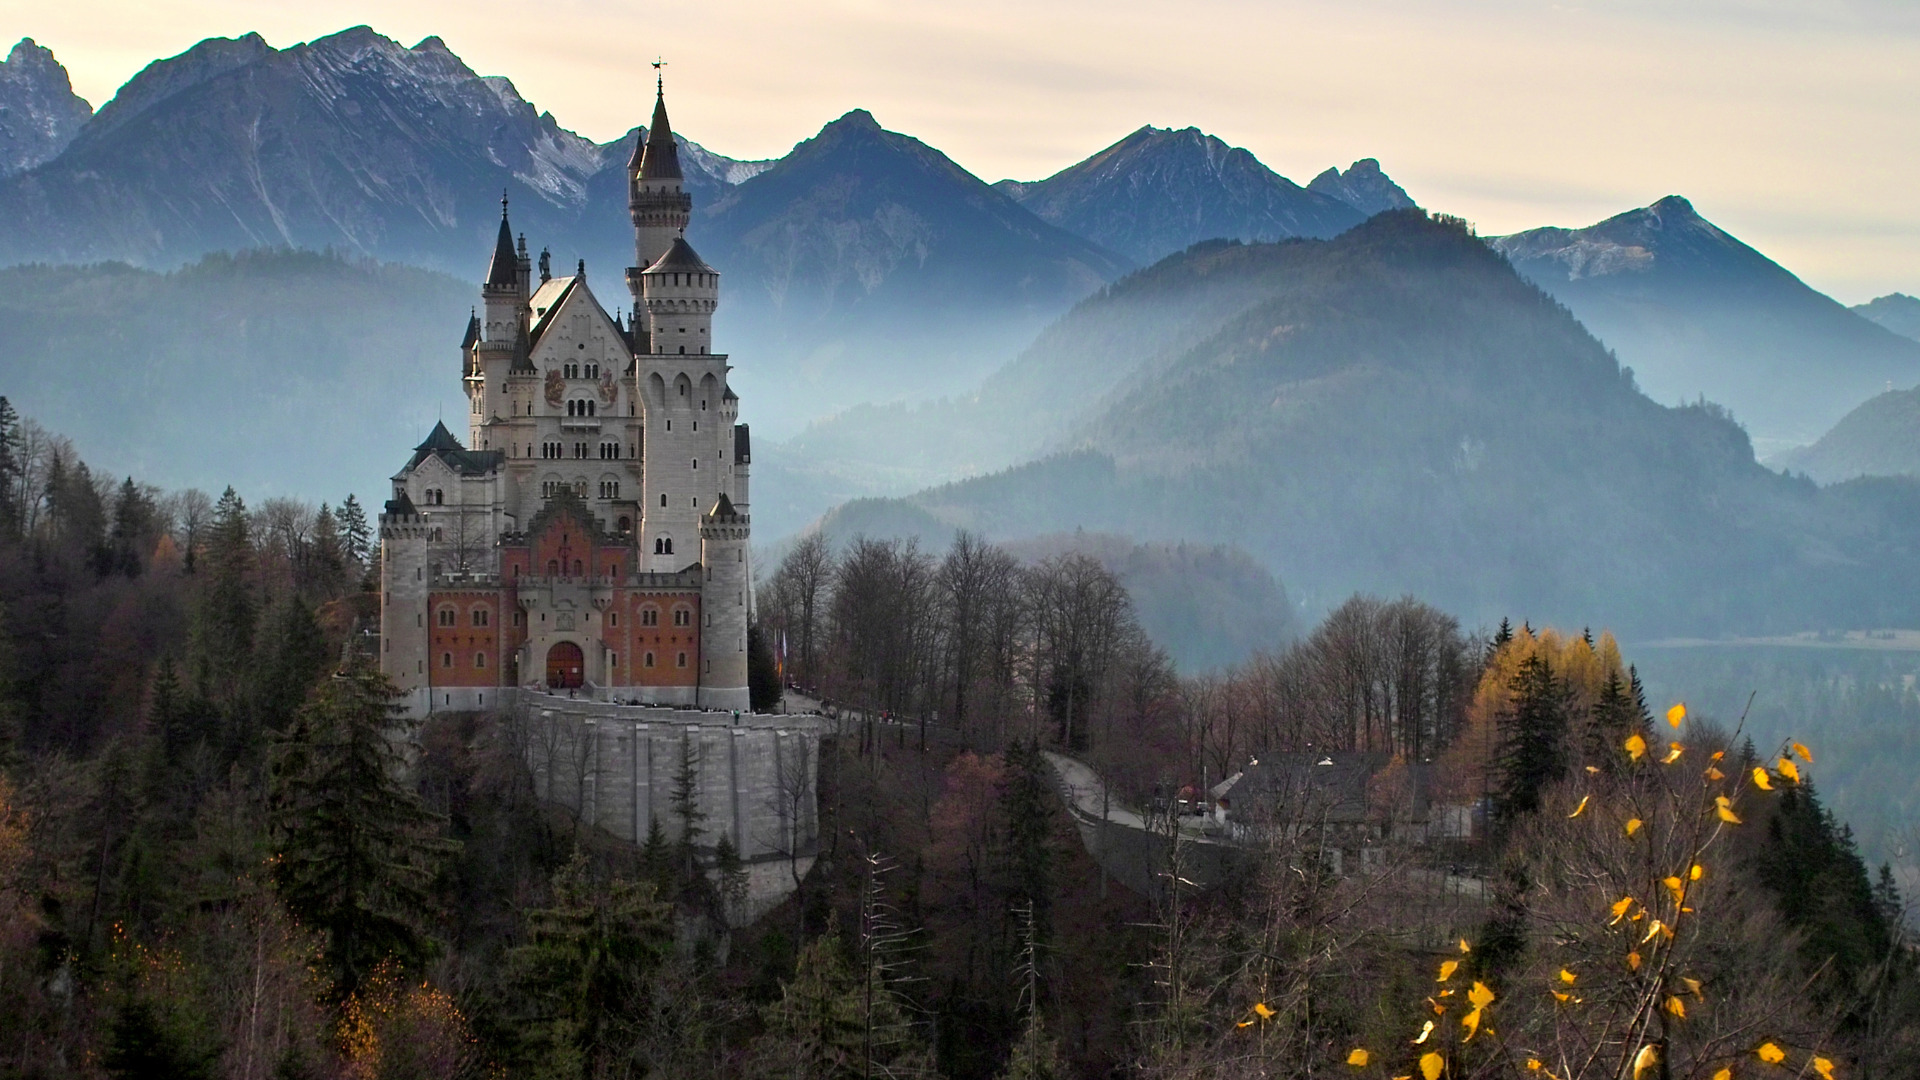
[(404, 540), (723, 640), (656, 195)]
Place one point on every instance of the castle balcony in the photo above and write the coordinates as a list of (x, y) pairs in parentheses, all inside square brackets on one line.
[(457, 580), (580, 423)]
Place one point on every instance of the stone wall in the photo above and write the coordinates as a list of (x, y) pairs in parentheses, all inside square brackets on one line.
[(618, 766)]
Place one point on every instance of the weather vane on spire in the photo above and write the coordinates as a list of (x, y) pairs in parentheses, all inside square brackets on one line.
[(659, 79)]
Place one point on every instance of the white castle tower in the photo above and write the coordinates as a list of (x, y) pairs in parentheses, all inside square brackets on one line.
[(592, 535)]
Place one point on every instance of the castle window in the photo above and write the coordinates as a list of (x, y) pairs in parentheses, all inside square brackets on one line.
[(578, 570), (480, 616), (696, 464), (669, 545), (613, 617), (516, 615), (446, 659), (613, 659), (626, 523), (553, 567), (445, 616), (682, 661), (479, 659), (649, 616), (648, 661), (683, 352), (663, 500), (682, 617)]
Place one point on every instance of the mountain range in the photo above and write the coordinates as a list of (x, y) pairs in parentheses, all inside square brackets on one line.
[(1694, 311), (1397, 410), (915, 281), (1897, 312)]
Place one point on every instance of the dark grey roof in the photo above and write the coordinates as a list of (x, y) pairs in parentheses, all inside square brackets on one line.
[(680, 257), (660, 160), (505, 268), (400, 505), (440, 443), (742, 444), (473, 332), (723, 509)]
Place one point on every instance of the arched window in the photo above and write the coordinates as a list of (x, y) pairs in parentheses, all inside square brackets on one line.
[(626, 524), (480, 616), (446, 617), (479, 659), (578, 570), (682, 661), (669, 545), (446, 660), (553, 567), (649, 661)]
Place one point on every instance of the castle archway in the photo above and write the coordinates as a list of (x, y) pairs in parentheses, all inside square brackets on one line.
[(565, 663)]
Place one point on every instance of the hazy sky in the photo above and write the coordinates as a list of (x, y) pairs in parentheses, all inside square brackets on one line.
[(1794, 124)]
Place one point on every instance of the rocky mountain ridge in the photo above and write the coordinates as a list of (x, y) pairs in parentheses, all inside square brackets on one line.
[(39, 112)]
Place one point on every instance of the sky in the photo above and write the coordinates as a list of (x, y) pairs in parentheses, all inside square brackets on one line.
[(1793, 124)]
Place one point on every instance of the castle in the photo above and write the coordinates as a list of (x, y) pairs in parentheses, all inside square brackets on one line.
[(591, 535)]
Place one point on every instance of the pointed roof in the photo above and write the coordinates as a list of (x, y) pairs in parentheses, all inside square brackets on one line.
[(440, 443), (660, 159), (505, 268), (682, 257), (473, 331)]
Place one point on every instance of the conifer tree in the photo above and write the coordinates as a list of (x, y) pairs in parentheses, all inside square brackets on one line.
[(224, 622), (132, 529), (1533, 738), (11, 468), (582, 981), (354, 849), (1027, 806), (685, 802), (356, 538)]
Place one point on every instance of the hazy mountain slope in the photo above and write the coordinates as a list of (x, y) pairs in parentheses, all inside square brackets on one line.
[(1694, 311), (1364, 187), (1158, 191), (1880, 438), (882, 269), (277, 372), (1024, 408), (39, 112), (1404, 413), (1897, 312)]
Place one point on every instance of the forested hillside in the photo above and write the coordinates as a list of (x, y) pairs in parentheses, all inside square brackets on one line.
[(1401, 412), (284, 372)]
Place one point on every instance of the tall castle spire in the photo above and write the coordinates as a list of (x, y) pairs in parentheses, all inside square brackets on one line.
[(656, 197), (504, 270)]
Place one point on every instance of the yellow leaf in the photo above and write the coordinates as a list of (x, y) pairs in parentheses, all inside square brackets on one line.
[(1567, 976), (1717, 755), (1534, 1065), (1424, 1032), (1447, 968), (1761, 780), (1677, 714), (1693, 985), (1582, 808), (1723, 1074), (1696, 872), (1714, 773), (1806, 755), (1560, 997), (1244, 1023), (1724, 808), (1823, 1067), (1480, 995), (1658, 927), (1621, 905), (1676, 887), (1674, 750), (1471, 1022), (1633, 960), (1646, 1059), (1633, 825), (1677, 1007), (1260, 1007), (1789, 770), (1357, 1059), (1771, 1054), (1446, 993), (1432, 1065), (1593, 770), (1464, 947), (1636, 747)]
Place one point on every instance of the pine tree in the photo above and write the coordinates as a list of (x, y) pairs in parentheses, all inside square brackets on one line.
[(1533, 738), (356, 538), (732, 873), (355, 850), (1026, 803), (224, 620), (133, 525), (11, 468), (582, 981), (296, 654), (684, 800)]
